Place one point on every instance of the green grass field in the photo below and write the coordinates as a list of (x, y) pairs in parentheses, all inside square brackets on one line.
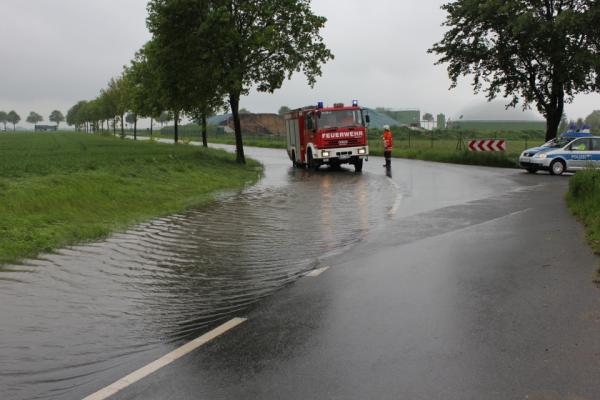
[(268, 141), (584, 200), (65, 188)]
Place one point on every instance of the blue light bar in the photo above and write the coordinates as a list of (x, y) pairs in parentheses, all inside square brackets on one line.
[(354, 103), (320, 104)]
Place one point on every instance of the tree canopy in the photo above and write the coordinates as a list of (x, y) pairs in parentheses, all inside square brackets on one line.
[(14, 119), (530, 51), (239, 44), (34, 118), (593, 120), (3, 118), (57, 117)]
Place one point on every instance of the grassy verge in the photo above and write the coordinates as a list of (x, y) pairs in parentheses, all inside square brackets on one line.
[(443, 153), (65, 188), (268, 141), (584, 200)]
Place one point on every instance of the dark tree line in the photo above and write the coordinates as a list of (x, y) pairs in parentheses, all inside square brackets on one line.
[(203, 56)]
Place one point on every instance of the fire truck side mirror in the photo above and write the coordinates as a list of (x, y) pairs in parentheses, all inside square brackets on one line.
[(367, 119), (309, 123)]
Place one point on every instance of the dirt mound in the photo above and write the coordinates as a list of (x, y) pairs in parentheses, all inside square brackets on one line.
[(264, 124)]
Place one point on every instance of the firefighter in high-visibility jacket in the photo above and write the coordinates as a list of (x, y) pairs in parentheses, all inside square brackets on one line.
[(388, 144)]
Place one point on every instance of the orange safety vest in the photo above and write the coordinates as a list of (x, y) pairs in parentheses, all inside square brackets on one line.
[(387, 140)]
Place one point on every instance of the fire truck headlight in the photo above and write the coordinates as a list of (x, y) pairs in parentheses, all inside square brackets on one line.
[(325, 153), (362, 151)]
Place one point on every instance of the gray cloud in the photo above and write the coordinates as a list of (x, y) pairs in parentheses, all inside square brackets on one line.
[(56, 52)]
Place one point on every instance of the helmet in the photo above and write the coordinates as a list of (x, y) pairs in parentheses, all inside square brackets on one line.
[(386, 127)]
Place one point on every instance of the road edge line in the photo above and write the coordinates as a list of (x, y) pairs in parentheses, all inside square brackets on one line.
[(316, 272), (165, 360)]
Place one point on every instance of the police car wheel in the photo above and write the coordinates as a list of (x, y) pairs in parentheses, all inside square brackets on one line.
[(557, 167)]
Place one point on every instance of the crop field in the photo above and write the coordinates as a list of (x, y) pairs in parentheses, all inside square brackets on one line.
[(58, 189)]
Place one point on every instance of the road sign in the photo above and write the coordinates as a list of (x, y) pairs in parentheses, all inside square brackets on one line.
[(488, 145)]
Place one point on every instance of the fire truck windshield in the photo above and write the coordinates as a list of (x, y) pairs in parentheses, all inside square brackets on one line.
[(340, 119)]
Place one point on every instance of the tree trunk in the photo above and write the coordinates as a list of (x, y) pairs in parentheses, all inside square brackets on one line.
[(554, 113), (204, 139), (176, 131), (14, 126), (114, 126), (151, 125), (123, 125), (234, 102), (135, 128)]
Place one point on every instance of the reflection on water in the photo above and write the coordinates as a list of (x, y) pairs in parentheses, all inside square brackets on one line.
[(70, 317)]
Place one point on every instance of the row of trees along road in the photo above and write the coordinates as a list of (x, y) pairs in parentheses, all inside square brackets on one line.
[(204, 55), (12, 117), (530, 51)]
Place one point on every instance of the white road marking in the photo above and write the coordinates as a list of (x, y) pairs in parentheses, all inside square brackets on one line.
[(396, 206), (316, 272), (399, 198), (164, 361)]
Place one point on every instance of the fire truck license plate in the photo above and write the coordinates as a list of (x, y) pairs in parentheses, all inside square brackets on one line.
[(344, 157)]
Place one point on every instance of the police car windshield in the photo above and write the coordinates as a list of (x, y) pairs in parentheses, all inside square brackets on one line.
[(558, 142), (340, 119)]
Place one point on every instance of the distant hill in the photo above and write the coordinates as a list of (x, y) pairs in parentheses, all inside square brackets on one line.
[(378, 120), (263, 124)]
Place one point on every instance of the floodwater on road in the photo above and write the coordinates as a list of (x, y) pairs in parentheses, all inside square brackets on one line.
[(75, 321)]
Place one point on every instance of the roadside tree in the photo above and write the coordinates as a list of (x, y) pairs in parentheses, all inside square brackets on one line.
[(117, 100), (593, 120), (284, 110), (532, 52), (14, 119), (164, 117), (3, 119), (172, 65), (241, 44), (33, 118), (144, 92), (57, 117)]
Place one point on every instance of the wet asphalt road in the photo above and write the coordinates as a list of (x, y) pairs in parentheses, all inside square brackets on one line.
[(446, 282)]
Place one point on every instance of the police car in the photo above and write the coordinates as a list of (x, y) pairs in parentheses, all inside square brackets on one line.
[(572, 151)]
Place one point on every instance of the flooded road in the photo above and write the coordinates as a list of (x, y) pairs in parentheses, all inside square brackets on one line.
[(74, 321)]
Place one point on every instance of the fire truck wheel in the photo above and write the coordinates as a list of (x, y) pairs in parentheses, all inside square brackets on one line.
[(358, 164), (312, 164)]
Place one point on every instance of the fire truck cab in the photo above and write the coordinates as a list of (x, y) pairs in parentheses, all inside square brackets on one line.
[(333, 135)]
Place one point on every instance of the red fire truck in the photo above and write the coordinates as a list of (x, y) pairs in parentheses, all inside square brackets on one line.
[(333, 135)]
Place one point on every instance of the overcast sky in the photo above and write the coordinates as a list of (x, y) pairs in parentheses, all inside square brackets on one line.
[(54, 53)]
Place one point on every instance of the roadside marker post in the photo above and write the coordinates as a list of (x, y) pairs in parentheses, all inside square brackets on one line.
[(487, 145)]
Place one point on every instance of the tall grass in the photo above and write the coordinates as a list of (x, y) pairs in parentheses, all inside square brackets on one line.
[(62, 188), (584, 200)]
